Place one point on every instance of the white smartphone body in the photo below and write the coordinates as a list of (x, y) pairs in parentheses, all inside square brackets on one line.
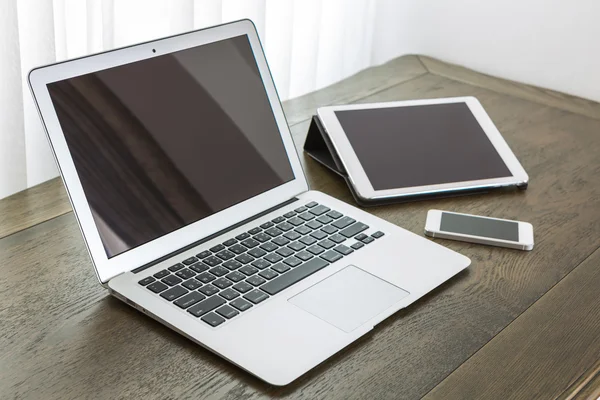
[(477, 229)]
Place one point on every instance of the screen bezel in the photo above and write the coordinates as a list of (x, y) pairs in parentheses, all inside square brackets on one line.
[(360, 181), (434, 220), (105, 267)]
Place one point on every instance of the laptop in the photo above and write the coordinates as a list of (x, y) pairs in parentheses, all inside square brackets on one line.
[(195, 210)]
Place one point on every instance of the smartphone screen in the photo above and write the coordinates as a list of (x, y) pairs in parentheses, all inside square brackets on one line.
[(475, 226)]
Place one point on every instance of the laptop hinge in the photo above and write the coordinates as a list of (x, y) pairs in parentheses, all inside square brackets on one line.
[(214, 235)]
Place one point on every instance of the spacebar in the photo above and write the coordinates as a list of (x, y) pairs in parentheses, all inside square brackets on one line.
[(297, 274)]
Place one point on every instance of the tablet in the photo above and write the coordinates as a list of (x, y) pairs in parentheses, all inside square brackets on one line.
[(420, 147)]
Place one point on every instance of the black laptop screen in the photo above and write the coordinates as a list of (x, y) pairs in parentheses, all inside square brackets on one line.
[(162, 143)]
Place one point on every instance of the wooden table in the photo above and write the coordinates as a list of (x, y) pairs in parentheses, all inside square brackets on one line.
[(514, 325)]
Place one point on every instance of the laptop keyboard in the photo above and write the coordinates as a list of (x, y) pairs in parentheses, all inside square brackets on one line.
[(220, 283)]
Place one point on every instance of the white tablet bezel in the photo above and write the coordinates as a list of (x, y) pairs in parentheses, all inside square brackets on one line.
[(107, 268), (361, 183)]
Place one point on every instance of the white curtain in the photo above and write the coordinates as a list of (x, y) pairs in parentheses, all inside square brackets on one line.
[(309, 44)]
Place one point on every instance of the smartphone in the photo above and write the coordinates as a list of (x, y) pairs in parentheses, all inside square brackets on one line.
[(477, 229)]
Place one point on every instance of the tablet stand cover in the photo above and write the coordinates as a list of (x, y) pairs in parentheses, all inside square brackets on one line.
[(319, 147)]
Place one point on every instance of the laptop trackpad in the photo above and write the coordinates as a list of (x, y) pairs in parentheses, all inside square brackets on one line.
[(348, 298)]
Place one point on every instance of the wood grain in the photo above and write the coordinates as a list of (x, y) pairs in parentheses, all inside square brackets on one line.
[(547, 97), (541, 351), (63, 337), (586, 387), (33, 206)]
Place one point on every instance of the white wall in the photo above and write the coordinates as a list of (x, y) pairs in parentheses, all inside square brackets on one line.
[(553, 44)]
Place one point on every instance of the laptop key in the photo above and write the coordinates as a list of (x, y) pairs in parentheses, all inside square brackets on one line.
[(238, 248), (318, 235), (262, 237), (189, 300), (229, 242), (250, 243), (199, 267), (337, 238), (255, 280), (354, 229), (312, 204), (285, 226), (273, 258), (297, 274), (306, 216), (292, 261), (217, 248), (235, 276), (378, 234), (241, 304), (280, 241), (267, 225), (303, 230), (256, 296), (212, 261), (243, 236), (296, 246), (248, 270), (244, 258), (204, 254), (213, 319), (324, 219), (296, 221), (173, 293), (242, 287), (315, 249), (345, 250), (222, 283), (147, 281), (289, 214), (326, 244), (261, 263), (189, 261), (360, 237), (227, 312), (229, 294), (269, 246), (191, 284), (278, 220), (357, 245), (368, 240), (314, 225), (205, 277), (300, 209), (308, 240), (329, 229), (176, 267), (185, 273), (161, 274), (281, 268), (268, 274), (343, 222), (206, 306), (304, 255), (225, 254), (292, 235), (257, 252), (284, 252), (157, 287), (232, 264), (208, 290), (331, 256), (273, 232), (254, 231), (172, 280), (319, 210), (335, 214)]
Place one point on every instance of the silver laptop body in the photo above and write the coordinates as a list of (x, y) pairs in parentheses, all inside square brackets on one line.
[(191, 198)]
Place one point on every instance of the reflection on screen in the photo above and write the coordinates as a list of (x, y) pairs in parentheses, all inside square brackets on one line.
[(162, 143), (402, 147), (468, 225)]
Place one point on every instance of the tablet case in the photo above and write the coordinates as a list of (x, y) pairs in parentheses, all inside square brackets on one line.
[(319, 147)]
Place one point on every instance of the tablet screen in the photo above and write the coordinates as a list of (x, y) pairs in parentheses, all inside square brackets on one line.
[(410, 146)]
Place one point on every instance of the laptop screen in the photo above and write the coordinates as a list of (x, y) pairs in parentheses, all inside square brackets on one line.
[(164, 142)]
